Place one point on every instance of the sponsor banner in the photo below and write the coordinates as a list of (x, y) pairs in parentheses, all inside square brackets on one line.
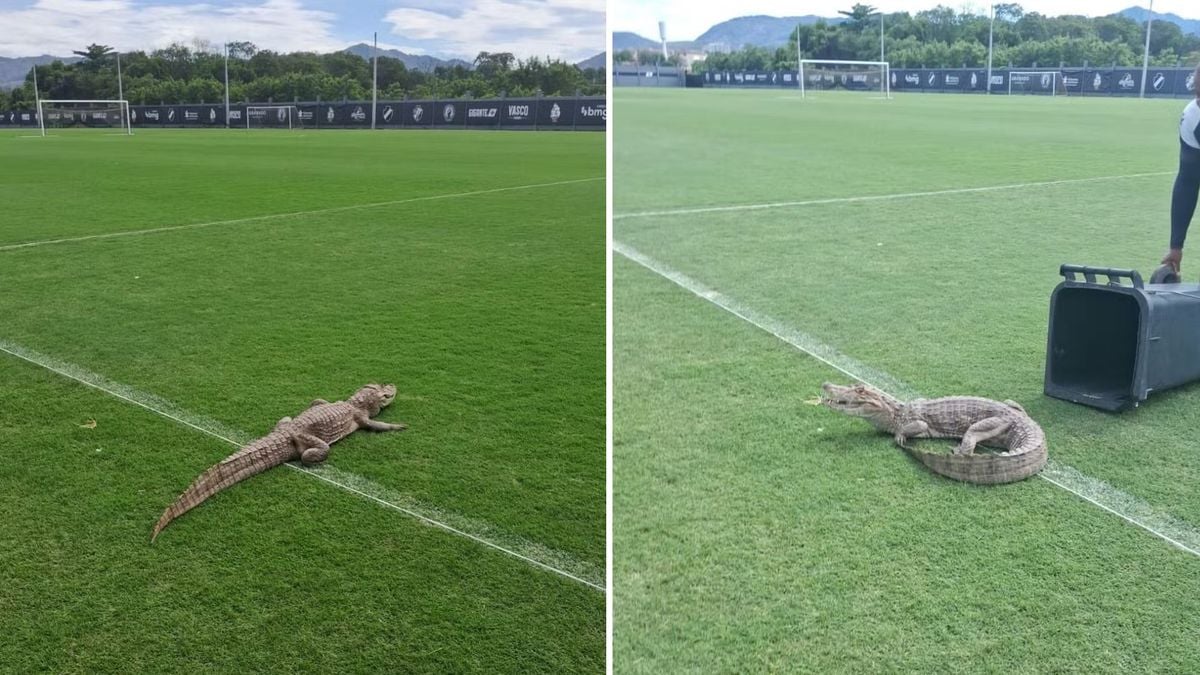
[(18, 118), (906, 79), (482, 113), (556, 113), (1032, 82), (591, 112), (1185, 83), (1160, 82), (389, 114), (1126, 81), (417, 113), (1073, 81), (1097, 82), (520, 112), (971, 81), (449, 113), (999, 81)]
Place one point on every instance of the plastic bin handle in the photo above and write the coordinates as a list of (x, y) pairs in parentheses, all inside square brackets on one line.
[(1089, 274)]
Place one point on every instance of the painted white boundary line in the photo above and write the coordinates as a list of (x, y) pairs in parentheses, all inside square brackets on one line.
[(877, 198), (1176, 532), (291, 214), (345, 480)]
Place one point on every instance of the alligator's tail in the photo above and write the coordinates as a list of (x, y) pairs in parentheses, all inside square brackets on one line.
[(241, 465), (1026, 459), (986, 469)]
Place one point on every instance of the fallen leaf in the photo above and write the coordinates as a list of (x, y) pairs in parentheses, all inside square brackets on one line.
[(90, 424), (816, 400)]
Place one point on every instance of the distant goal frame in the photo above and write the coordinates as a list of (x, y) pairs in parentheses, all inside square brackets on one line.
[(1057, 80), (127, 122), (293, 115), (885, 84)]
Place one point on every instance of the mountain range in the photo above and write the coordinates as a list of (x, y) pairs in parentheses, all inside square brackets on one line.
[(420, 62), (773, 31), (14, 70)]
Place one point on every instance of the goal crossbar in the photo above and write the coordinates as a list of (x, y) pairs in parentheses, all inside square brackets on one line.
[(121, 104), (885, 87)]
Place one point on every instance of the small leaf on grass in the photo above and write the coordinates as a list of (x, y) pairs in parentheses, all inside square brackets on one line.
[(816, 400), (90, 424)]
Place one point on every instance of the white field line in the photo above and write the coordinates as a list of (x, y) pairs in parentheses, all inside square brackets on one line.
[(292, 214), (561, 563), (1178, 533), (877, 198)]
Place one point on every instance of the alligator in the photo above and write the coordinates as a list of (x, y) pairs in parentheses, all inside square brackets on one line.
[(1003, 425), (306, 438)]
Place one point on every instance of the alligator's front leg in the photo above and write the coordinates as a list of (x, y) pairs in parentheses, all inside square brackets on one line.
[(312, 450), (365, 422), (910, 430), (983, 430)]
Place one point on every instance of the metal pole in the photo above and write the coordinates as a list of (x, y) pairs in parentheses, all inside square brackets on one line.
[(226, 85), (375, 81), (799, 72), (881, 58), (1146, 55), (991, 26), (120, 84)]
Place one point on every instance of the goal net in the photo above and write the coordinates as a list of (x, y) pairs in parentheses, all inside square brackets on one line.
[(1045, 82), (73, 114), (870, 77), (273, 117)]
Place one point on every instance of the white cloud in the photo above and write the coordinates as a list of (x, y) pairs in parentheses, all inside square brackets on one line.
[(566, 29), (60, 26)]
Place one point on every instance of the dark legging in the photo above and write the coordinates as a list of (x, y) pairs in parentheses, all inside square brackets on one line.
[(1183, 198)]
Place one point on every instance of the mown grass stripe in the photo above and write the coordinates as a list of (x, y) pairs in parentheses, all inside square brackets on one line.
[(561, 563), (878, 198), (292, 214), (1174, 531)]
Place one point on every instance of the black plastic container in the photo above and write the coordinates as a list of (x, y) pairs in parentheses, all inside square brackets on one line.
[(1111, 344)]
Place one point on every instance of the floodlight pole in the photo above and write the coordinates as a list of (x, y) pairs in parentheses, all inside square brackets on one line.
[(799, 70), (1146, 55), (226, 85), (120, 84), (880, 37), (991, 26), (375, 81)]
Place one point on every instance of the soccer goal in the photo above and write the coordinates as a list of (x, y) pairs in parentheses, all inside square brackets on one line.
[(84, 114), (863, 76), (273, 117), (1045, 82)]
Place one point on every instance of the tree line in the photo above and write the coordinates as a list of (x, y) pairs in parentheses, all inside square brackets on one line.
[(943, 37), (183, 74)]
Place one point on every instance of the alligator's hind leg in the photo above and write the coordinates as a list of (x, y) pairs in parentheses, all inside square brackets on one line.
[(282, 422), (312, 449), (984, 430)]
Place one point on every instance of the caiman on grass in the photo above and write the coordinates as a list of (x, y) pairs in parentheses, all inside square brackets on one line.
[(306, 438), (1003, 425)]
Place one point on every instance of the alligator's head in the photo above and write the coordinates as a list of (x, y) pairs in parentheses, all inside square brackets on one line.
[(859, 400), (374, 397)]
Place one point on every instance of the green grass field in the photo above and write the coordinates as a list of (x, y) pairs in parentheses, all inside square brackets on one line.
[(755, 533), (466, 268)]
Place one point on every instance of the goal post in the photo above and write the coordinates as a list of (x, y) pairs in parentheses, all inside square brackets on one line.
[(827, 75), (1045, 82), (273, 117), (84, 113)]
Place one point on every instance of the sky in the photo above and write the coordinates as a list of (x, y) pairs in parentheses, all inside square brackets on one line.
[(571, 30), (687, 19)]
